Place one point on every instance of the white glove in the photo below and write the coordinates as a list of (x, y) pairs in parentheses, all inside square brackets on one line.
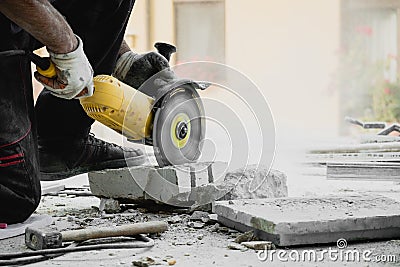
[(74, 74)]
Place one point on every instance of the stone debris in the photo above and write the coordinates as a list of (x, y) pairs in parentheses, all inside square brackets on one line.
[(171, 262), (254, 182), (259, 245), (200, 216), (234, 246), (215, 227), (174, 219), (246, 237), (298, 221), (109, 205), (196, 225), (146, 262), (213, 218)]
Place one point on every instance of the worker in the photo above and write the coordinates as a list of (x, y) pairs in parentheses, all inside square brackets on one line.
[(83, 38)]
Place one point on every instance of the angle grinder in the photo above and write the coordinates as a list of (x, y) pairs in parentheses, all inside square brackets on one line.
[(171, 120)]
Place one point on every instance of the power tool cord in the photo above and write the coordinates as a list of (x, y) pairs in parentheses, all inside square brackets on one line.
[(15, 258)]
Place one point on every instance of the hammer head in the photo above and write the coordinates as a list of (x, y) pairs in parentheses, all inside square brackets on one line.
[(38, 239)]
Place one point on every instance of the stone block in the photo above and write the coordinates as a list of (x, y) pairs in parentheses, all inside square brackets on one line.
[(255, 182), (191, 185), (184, 185), (299, 221)]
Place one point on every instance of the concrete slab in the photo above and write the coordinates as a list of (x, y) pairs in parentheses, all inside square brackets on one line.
[(188, 185), (51, 188), (184, 185), (375, 171), (298, 221)]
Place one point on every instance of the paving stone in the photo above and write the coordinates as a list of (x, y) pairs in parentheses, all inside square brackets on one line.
[(179, 185), (193, 185), (298, 221)]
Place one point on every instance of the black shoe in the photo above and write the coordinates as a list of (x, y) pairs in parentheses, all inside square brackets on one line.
[(59, 160)]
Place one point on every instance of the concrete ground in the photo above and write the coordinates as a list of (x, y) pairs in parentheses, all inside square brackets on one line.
[(208, 245)]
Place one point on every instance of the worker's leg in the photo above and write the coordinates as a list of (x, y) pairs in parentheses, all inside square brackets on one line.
[(66, 148), (19, 166)]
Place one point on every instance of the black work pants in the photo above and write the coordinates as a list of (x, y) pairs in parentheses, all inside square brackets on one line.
[(101, 25)]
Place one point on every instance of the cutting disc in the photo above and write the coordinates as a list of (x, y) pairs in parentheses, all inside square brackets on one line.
[(179, 127)]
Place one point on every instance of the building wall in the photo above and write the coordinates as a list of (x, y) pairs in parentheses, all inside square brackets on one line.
[(288, 48)]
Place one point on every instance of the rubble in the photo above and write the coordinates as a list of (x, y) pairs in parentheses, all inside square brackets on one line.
[(206, 246), (234, 246), (259, 245), (200, 216), (171, 262), (196, 225), (145, 262), (255, 182), (246, 237), (109, 205), (174, 219)]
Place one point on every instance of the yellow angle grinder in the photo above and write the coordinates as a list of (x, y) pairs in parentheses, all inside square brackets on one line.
[(171, 119)]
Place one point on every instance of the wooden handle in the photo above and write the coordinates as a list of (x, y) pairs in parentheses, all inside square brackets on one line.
[(112, 231)]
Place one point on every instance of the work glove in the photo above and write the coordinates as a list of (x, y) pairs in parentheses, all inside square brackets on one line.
[(74, 74), (135, 69)]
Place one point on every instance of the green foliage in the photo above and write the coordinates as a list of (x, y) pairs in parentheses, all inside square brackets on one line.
[(386, 101)]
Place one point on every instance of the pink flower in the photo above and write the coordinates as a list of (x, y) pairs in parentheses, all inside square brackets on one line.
[(392, 56), (365, 30), (387, 91)]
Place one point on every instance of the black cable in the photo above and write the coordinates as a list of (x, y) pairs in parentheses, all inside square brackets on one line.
[(14, 258), (30, 260)]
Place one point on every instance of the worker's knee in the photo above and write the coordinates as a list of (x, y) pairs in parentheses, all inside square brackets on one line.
[(18, 209), (19, 181)]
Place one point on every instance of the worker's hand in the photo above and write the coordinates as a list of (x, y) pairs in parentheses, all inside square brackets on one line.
[(134, 69), (74, 74)]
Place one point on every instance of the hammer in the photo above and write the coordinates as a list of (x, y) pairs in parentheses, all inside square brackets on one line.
[(38, 239)]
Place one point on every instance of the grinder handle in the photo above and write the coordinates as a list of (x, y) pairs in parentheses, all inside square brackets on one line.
[(43, 65), (113, 231), (165, 49)]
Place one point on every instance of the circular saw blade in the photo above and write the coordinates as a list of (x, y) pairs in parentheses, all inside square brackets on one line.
[(179, 127)]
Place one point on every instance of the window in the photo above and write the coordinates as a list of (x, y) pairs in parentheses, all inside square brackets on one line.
[(200, 30)]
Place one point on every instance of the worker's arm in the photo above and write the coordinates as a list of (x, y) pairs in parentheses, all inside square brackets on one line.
[(42, 21), (39, 18)]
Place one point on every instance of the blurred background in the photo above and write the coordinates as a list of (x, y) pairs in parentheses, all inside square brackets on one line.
[(314, 61)]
